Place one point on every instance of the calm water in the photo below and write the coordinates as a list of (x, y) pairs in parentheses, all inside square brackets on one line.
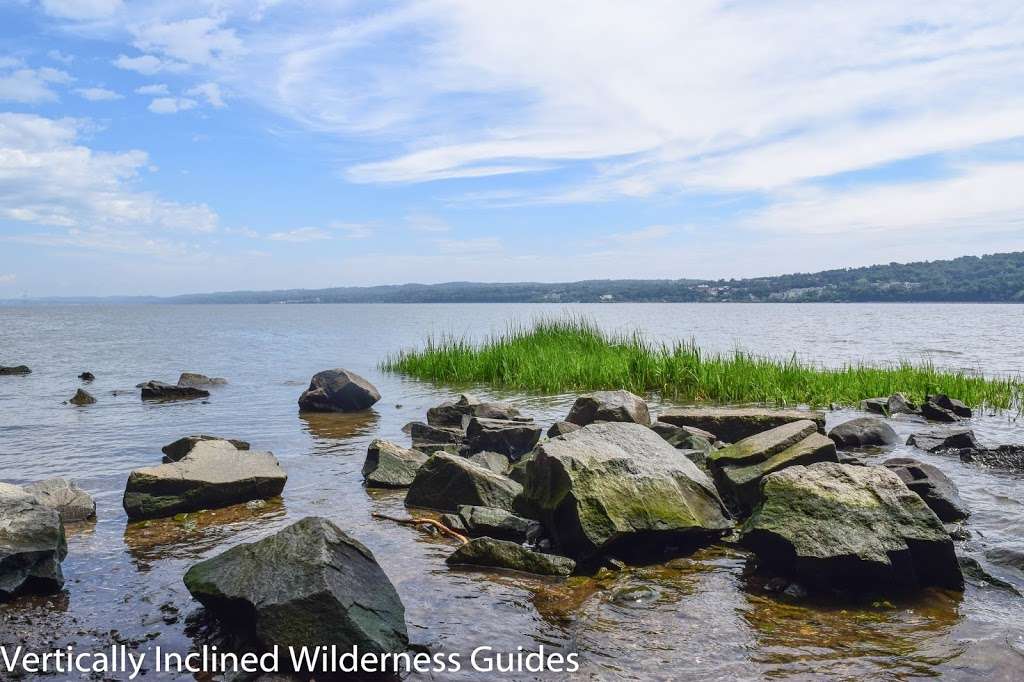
[(702, 618)]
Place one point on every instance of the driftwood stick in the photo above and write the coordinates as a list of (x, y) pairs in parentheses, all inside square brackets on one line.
[(421, 521)]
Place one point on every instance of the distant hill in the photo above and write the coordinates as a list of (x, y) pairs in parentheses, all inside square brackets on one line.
[(996, 278)]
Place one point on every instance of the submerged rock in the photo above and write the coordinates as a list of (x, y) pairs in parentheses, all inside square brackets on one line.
[(1003, 456), (730, 424), (620, 487), (935, 441), (82, 397), (561, 428), (936, 489), (500, 524), (863, 431), (17, 369), (309, 585), (32, 545), (609, 406), (67, 499), (338, 390), (389, 465), (181, 447), (446, 481), (451, 414), (510, 438), (951, 404), (158, 390), (214, 474), (196, 379), (835, 525), (502, 554)]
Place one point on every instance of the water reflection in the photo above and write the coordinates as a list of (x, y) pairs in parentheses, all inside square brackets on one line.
[(331, 430)]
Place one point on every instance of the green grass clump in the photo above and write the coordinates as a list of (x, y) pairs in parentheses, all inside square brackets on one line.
[(572, 354)]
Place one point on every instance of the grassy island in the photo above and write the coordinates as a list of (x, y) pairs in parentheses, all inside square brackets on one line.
[(567, 355)]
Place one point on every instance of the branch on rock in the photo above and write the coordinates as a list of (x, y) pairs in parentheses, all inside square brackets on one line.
[(419, 521)]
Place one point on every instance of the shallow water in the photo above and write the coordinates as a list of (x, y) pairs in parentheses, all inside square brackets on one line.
[(696, 617)]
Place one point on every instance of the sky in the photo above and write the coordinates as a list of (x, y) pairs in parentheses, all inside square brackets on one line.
[(179, 146)]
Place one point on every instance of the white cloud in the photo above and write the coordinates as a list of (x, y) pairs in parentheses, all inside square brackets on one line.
[(210, 91), (8, 278), (473, 246), (171, 105), (148, 65), (302, 234), (353, 230), (29, 86), (58, 56), (97, 94), (81, 9), (154, 89), (200, 40)]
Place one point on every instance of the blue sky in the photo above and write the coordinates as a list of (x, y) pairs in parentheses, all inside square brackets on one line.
[(172, 147)]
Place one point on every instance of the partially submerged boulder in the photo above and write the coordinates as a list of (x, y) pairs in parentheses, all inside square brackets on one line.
[(609, 406), (82, 397), (936, 413), (338, 390), (953, 405), (67, 499), (308, 585), (936, 488), (196, 379), (181, 447), (16, 369), (731, 424), (494, 553), (862, 432), (445, 482), (510, 438), (450, 414), (897, 403), (214, 474), (389, 465), (561, 428), (158, 390), (500, 524), (615, 486), (936, 441), (860, 527), (32, 544)]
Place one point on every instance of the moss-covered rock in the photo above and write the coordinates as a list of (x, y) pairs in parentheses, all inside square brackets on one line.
[(509, 555)]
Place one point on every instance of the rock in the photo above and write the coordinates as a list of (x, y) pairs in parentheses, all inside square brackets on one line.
[(338, 390), (391, 466), (308, 585), (876, 405), (973, 570), (500, 524), (428, 438), (195, 379), (446, 481), (502, 554), (863, 431), (67, 499), (32, 544), (513, 439), (609, 406), (935, 441), (675, 434), (450, 414), (495, 461), (1003, 456), (181, 447), (455, 522), (897, 403), (561, 428), (835, 525), (951, 404), (615, 486), (936, 489), (86, 376), (158, 390), (761, 446), (82, 397), (18, 369), (214, 474), (937, 413), (731, 424)]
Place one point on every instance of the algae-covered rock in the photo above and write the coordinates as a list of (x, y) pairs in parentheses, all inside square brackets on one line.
[(503, 554), (446, 481), (609, 406), (389, 465), (308, 585), (836, 525), (32, 544), (761, 446), (731, 424)]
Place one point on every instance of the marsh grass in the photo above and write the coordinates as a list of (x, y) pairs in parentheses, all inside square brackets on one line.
[(564, 355)]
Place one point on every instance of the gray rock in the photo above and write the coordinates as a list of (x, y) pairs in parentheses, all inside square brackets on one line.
[(82, 397), (500, 524), (760, 446), (87, 376), (389, 465), (181, 447), (309, 585), (731, 424), (214, 474), (862, 432), (510, 438), (502, 554), (338, 390), (454, 522), (935, 441), (32, 544), (936, 489), (17, 369), (71, 502), (676, 434), (196, 379), (561, 428), (936, 413), (1003, 456), (609, 406), (951, 404), (495, 461), (428, 438), (897, 403), (450, 414), (835, 525), (446, 481), (876, 405), (158, 390)]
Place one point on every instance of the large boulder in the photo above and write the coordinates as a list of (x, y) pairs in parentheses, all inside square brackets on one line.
[(308, 585), (71, 502), (730, 424), (863, 431), (32, 544), (450, 414), (389, 465), (181, 447), (510, 438), (936, 441), (836, 525), (936, 488), (609, 406), (509, 555), (196, 379), (500, 524), (619, 487), (158, 390), (338, 390), (17, 369), (214, 474), (446, 481)]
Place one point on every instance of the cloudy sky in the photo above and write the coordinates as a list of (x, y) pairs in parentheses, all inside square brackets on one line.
[(200, 145)]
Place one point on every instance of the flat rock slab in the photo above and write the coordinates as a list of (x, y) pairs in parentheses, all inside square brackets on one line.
[(609, 406), (446, 481), (214, 474), (863, 432), (338, 390), (181, 447), (32, 545), (730, 424), (936, 488), (71, 502), (308, 585), (951, 439), (761, 446), (389, 465), (494, 553), (859, 527), (450, 414), (428, 438), (158, 390), (510, 438), (196, 379)]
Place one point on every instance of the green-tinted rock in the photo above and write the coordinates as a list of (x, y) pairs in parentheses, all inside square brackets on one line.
[(389, 465), (761, 446), (502, 554), (731, 424), (446, 481)]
